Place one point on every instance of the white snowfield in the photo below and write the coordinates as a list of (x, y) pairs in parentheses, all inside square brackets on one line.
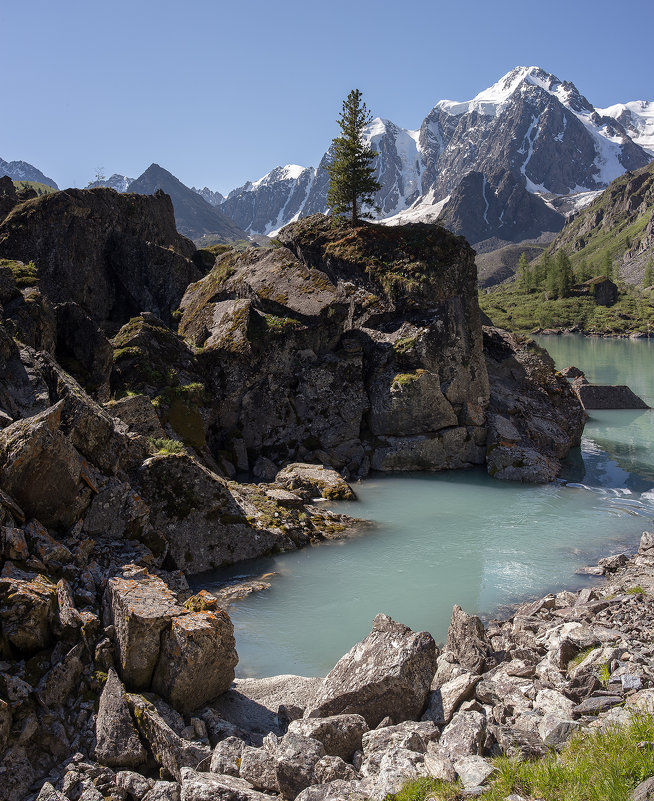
[(638, 118)]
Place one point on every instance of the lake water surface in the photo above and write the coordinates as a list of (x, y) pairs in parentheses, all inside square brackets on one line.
[(460, 537)]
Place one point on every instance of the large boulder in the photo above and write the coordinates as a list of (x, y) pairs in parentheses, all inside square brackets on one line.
[(196, 660), (340, 734), (388, 673), (466, 640), (314, 481), (141, 607)]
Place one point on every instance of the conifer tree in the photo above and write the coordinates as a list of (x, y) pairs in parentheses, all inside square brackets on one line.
[(606, 264), (563, 274), (524, 273), (351, 175)]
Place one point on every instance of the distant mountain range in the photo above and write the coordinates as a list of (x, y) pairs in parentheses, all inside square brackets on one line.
[(508, 165)]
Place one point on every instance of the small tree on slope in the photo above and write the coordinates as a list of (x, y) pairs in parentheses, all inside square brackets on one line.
[(351, 175)]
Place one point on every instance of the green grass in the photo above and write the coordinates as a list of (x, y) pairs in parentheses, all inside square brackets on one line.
[(518, 310), (39, 188), (605, 765), (577, 660), (635, 590), (24, 274)]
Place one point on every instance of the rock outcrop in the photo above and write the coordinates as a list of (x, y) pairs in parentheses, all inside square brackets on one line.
[(534, 416), (602, 396)]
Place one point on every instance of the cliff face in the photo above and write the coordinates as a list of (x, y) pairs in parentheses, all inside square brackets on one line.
[(359, 348)]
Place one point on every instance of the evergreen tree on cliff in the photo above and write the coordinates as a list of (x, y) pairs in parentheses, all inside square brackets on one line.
[(351, 175)]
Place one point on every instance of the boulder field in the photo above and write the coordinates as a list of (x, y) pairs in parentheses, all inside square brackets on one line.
[(397, 706), (139, 378)]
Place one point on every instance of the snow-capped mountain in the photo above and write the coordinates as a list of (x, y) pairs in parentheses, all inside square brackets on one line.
[(22, 171), (214, 198), (116, 181), (507, 164)]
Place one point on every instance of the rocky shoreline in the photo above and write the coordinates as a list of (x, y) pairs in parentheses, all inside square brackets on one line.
[(397, 706)]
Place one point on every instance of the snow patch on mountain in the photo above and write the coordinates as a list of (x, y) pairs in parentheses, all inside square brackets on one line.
[(423, 210), (116, 181), (290, 172), (637, 117)]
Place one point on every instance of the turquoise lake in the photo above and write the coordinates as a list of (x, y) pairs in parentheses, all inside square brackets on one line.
[(460, 537)]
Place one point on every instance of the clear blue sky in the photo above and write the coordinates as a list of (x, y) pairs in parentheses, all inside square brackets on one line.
[(221, 92)]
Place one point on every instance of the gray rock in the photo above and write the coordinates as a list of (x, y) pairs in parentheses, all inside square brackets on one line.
[(164, 791), (444, 700), (555, 731), (197, 659), (295, 761), (118, 743), (141, 608), (396, 766), (473, 770), (135, 784), (58, 684), (48, 793), (597, 704), (466, 640), (340, 734), (170, 750), (388, 673), (226, 756), (259, 767), (338, 790), (644, 791), (198, 786), (438, 766), (333, 768), (464, 735), (646, 542), (314, 481)]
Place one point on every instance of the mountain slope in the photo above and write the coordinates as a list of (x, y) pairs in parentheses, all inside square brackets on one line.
[(537, 145), (195, 217), (22, 171), (619, 222)]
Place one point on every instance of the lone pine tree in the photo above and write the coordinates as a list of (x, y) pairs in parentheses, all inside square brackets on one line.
[(351, 175)]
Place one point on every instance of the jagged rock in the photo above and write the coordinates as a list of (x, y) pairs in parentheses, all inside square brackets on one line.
[(198, 786), (646, 542), (443, 701), (135, 784), (5, 723), (196, 660), (139, 414), (333, 768), (338, 790), (141, 607), (48, 792), (116, 511), (463, 736), (644, 791), (388, 673), (295, 760), (466, 639), (199, 516), (439, 766), (340, 734), (259, 767), (164, 791), (603, 396), (112, 254), (118, 743), (28, 604), (42, 470), (59, 683), (170, 750), (395, 767), (519, 742), (556, 731), (13, 544), (407, 736), (312, 481), (473, 770), (226, 756), (83, 349), (534, 416)]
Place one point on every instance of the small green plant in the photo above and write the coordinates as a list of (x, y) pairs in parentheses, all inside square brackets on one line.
[(577, 660), (635, 590), (404, 379), (604, 673), (167, 446)]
